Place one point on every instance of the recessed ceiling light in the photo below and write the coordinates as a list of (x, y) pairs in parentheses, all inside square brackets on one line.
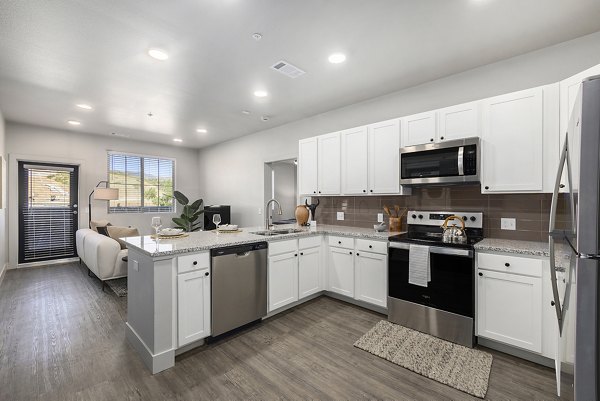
[(246, 112), (74, 122), (264, 118), (177, 140), (84, 106), (257, 36), (337, 58), (201, 130), (158, 54), (260, 93)]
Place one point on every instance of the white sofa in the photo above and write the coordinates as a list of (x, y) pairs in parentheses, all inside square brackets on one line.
[(102, 255)]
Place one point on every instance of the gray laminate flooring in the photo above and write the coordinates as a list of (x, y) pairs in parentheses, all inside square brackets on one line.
[(62, 338)]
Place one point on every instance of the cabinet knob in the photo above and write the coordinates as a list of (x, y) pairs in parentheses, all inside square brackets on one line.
[(562, 185), (371, 190), (301, 253), (507, 264), (442, 138), (370, 246), (195, 263), (206, 274), (295, 254), (340, 242), (357, 254), (364, 190), (431, 140), (350, 253), (319, 191), (486, 187), (480, 273), (552, 303), (314, 192)]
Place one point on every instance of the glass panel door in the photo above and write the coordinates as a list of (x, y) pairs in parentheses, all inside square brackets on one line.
[(48, 211)]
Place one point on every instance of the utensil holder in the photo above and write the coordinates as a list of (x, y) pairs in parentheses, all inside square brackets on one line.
[(395, 224)]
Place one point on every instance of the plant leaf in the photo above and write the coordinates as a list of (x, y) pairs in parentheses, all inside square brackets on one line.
[(197, 204), (180, 222), (181, 198)]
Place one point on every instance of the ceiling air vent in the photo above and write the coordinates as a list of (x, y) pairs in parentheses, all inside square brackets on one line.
[(287, 69)]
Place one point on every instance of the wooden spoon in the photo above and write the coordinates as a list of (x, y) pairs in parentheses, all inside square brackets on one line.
[(397, 210), (387, 210)]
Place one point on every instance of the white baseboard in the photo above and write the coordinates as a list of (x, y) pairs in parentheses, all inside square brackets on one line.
[(155, 362), (3, 272), (48, 263)]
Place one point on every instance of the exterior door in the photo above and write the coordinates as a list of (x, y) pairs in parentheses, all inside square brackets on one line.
[(48, 211)]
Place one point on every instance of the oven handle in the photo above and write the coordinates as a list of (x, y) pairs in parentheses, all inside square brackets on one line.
[(435, 249), (461, 156)]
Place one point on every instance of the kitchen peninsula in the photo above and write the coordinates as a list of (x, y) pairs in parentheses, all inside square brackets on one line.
[(169, 280)]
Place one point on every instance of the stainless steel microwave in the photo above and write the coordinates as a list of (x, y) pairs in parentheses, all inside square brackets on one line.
[(455, 162)]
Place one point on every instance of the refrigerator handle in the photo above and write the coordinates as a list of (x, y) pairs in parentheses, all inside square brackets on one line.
[(561, 165), (553, 278)]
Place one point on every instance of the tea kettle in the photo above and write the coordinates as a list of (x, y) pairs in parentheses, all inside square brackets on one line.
[(454, 234)]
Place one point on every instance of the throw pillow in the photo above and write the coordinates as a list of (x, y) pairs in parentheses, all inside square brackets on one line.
[(116, 233), (103, 229), (94, 224)]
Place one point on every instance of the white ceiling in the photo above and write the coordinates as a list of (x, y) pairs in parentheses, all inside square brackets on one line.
[(54, 54)]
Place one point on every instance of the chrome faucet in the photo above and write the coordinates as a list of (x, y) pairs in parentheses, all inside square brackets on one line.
[(268, 224)]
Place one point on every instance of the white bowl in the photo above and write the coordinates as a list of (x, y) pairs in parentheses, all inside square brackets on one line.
[(228, 227), (171, 231)]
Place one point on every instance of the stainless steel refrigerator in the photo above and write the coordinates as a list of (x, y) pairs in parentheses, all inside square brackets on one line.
[(575, 233)]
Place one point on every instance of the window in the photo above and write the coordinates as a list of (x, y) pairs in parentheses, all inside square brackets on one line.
[(145, 183)]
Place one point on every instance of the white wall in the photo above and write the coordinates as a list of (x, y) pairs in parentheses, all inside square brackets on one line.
[(28, 142), (239, 182), (3, 225)]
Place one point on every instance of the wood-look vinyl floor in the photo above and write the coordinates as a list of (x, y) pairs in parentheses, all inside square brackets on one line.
[(62, 338)]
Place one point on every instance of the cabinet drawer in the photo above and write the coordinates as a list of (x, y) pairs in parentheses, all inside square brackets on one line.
[(367, 245), (510, 264), (341, 242), (309, 242), (279, 247), (196, 261)]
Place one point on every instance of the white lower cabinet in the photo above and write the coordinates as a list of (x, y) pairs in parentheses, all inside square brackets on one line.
[(283, 279), (309, 272), (193, 306), (341, 271), (371, 278)]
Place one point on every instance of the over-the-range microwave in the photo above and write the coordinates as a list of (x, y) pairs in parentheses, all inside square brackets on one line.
[(455, 161)]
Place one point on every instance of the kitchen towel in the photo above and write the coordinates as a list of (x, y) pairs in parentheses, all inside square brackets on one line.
[(419, 272)]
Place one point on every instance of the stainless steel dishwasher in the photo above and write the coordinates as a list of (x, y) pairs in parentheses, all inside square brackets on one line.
[(239, 286)]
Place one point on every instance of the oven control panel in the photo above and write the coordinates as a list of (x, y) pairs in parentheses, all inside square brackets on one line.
[(433, 218)]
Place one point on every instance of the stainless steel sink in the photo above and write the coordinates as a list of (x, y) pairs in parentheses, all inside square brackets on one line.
[(266, 233)]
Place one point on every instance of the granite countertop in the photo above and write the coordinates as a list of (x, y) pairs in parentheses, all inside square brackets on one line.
[(533, 248), (205, 240)]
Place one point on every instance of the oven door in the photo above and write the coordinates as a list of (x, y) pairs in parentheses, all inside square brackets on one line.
[(452, 161), (452, 285)]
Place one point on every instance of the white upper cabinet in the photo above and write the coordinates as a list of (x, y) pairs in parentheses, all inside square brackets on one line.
[(384, 158), (419, 128), (307, 166), (355, 177), (512, 142), (460, 121), (329, 163)]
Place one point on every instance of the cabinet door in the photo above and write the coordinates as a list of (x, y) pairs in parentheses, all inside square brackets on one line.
[(460, 121), (307, 166), (341, 271), (510, 309), (193, 306), (329, 164), (371, 278), (283, 280), (512, 142), (309, 272), (419, 128), (354, 161), (384, 157)]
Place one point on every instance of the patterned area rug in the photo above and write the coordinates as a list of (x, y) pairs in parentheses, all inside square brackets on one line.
[(119, 286), (463, 368)]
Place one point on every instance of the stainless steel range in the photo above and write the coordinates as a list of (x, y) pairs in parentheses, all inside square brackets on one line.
[(431, 276)]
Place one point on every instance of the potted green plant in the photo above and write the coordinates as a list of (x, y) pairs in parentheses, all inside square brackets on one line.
[(190, 217)]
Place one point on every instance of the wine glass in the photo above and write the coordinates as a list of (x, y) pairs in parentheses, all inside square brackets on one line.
[(217, 220), (156, 224)]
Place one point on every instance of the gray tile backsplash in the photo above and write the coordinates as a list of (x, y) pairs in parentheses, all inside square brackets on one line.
[(530, 210)]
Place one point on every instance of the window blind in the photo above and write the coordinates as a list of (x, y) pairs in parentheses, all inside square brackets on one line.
[(47, 211), (145, 183)]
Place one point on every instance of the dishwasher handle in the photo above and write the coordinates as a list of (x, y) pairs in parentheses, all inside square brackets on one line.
[(238, 249)]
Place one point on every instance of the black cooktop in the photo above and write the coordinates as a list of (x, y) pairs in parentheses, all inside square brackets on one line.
[(434, 238)]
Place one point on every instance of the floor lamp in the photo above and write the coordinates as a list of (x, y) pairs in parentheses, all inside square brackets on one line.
[(106, 194)]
